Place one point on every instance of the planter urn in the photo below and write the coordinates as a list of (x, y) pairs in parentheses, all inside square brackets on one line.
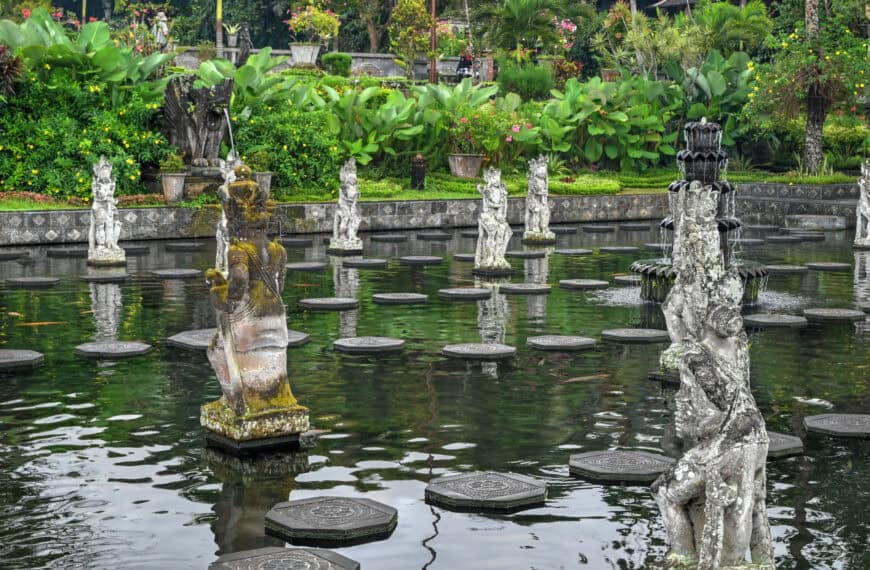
[(173, 186), (465, 165)]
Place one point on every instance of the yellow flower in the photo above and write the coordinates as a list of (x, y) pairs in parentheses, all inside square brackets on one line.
[(34, 171), (47, 67), (784, 45), (129, 161), (285, 148), (1, 147), (132, 177)]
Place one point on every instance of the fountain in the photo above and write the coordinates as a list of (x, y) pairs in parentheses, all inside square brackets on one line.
[(862, 213), (703, 160), (494, 232), (105, 228)]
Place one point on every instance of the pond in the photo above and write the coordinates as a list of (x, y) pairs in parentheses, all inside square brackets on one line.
[(103, 465)]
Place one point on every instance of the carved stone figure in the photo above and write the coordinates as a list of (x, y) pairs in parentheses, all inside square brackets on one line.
[(862, 226), (228, 173), (108, 7), (195, 119), (537, 206), (494, 232), (245, 45), (347, 218), (105, 227), (249, 351)]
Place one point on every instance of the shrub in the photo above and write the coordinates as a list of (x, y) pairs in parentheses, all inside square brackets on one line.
[(206, 51), (172, 163), (369, 189), (10, 72), (337, 63), (527, 81)]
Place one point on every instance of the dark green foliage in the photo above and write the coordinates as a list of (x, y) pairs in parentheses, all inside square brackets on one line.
[(337, 63), (528, 81), (10, 72)]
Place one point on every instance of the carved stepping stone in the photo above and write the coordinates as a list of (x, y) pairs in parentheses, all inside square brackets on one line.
[(598, 229), (561, 343), (464, 294), (747, 242), (198, 339), (783, 239), (307, 266), (617, 466), (70, 252), (276, 558), (185, 246), (786, 269), (563, 230), (774, 321), (658, 246), (389, 238), (32, 282), (583, 284), (524, 289), (329, 303), (843, 425), (420, 260), (400, 298), (112, 349), (365, 263), (828, 266), (479, 351), (783, 445), (627, 279), (618, 249), (13, 359), (810, 236), (107, 277), (434, 236), (634, 227), (334, 520), (10, 255), (762, 228), (636, 336), (369, 345), (834, 315), (491, 272), (526, 254), (464, 257), (574, 251), (177, 273), (134, 250), (469, 233), (486, 490), (297, 243)]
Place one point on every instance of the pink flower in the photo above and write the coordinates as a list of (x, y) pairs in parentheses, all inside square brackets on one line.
[(508, 139), (515, 128), (91, 19), (463, 120), (529, 125), (25, 12)]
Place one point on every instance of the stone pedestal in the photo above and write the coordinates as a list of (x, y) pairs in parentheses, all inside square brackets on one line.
[(271, 429)]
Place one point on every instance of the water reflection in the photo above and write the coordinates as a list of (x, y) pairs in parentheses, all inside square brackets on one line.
[(106, 307), (537, 271), (491, 320), (346, 282)]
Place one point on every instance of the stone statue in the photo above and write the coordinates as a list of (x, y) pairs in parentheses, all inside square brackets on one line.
[(347, 218), (228, 173), (245, 45), (537, 207), (862, 226), (105, 228), (195, 119), (108, 7), (494, 233), (249, 351), (713, 498)]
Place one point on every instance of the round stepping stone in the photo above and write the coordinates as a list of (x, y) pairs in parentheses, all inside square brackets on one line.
[(469, 233), (389, 238), (627, 279), (464, 294), (107, 277), (67, 252), (297, 243), (365, 263), (658, 246), (368, 345), (400, 298), (277, 558), (307, 266), (296, 338), (782, 445), (343, 252), (198, 339), (464, 257), (834, 315), (177, 273), (524, 289), (784, 239), (13, 359), (420, 260), (617, 466), (762, 228), (748, 242), (560, 342), (786, 269), (185, 246), (636, 336), (618, 249), (111, 349), (492, 272), (10, 255), (810, 236), (133, 250), (583, 284), (329, 303), (486, 490), (434, 236), (843, 425), (563, 230), (526, 254), (335, 520), (573, 251), (634, 227), (479, 351), (828, 266), (774, 321), (538, 242), (864, 307), (598, 229), (32, 282)]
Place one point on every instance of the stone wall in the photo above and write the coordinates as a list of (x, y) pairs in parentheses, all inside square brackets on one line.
[(770, 203)]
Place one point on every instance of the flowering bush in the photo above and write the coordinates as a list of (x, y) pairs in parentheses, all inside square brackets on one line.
[(313, 22), (450, 44), (565, 30)]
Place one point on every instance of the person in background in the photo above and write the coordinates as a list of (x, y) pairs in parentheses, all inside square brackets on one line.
[(466, 64), (161, 31)]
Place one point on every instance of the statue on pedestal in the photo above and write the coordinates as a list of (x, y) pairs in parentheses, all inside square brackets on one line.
[(228, 173), (347, 218), (862, 223), (537, 207), (105, 228), (494, 232), (195, 120)]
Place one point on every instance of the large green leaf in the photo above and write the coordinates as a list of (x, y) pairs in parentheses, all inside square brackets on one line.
[(94, 36), (717, 83), (592, 150)]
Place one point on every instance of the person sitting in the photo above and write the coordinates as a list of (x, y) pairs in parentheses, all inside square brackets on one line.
[(466, 63)]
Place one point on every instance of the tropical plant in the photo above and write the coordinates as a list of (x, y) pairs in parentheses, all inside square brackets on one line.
[(409, 30), (729, 28), (172, 162), (232, 29), (10, 72), (520, 25), (313, 22), (527, 81)]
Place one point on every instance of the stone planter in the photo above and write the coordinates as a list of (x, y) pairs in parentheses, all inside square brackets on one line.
[(465, 165), (232, 40), (609, 74), (304, 54), (173, 186), (263, 180)]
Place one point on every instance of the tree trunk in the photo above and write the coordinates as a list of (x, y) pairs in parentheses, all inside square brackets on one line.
[(817, 111), (633, 7), (811, 17), (374, 36)]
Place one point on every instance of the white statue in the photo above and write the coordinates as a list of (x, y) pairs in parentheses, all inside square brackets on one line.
[(537, 206), (862, 226), (105, 228), (347, 217), (494, 233), (228, 173)]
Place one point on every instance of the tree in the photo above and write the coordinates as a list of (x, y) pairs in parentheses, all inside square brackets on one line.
[(729, 28), (409, 29), (519, 24), (374, 14)]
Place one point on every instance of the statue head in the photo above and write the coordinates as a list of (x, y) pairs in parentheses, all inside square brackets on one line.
[(538, 167), (103, 170), (247, 206), (491, 176), (349, 186)]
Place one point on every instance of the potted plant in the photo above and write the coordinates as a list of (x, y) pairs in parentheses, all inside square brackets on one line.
[(232, 34), (260, 162), (314, 23), (473, 133), (172, 174)]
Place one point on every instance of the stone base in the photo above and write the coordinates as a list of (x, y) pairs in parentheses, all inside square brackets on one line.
[(107, 259), (278, 428), (861, 244), (343, 252), (252, 447), (815, 222), (534, 238), (492, 271)]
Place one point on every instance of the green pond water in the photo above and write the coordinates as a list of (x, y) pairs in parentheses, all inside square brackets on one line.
[(103, 465)]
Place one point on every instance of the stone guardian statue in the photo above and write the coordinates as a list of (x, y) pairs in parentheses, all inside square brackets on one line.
[(347, 218), (105, 227), (862, 214), (494, 232), (196, 119), (537, 206)]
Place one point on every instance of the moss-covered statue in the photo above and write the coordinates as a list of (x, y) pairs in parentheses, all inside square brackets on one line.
[(249, 351)]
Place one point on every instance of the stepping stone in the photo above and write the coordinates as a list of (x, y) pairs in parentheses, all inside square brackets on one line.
[(13, 359), (335, 520), (11, 255), (185, 246), (583, 284), (748, 242), (108, 277), (783, 445), (573, 251), (762, 228), (464, 257), (864, 307), (618, 249), (297, 243), (524, 289), (786, 269), (636, 336), (834, 315), (32, 282), (479, 351), (343, 252), (774, 321), (627, 279), (784, 239), (111, 349), (617, 466), (420, 260), (296, 338), (307, 266), (434, 236), (665, 377), (464, 294), (492, 272), (177, 273), (67, 252), (658, 246), (133, 250), (563, 230), (400, 299), (486, 490), (812, 236), (539, 242), (598, 229), (365, 263), (469, 233), (198, 339), (329, 303), (843, 425), (278, 558), (828, 266), (634, 227), (368, 345), (562, 343), (389, 238), (526, 254)]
